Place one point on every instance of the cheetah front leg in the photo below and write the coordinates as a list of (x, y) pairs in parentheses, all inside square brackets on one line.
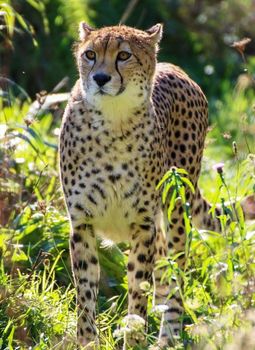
[(140, 265), (86, 275)]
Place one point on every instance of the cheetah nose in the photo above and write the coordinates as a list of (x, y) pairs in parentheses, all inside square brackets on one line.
[(101, 79)]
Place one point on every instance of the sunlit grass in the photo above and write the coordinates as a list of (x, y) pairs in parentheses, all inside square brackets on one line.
[(37, 295)]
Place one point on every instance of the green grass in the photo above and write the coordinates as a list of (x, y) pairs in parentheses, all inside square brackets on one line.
[(37, 297)]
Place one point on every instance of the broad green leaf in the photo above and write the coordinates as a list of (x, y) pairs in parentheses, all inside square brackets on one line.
[(181, 171), (164, 178), (182, 194), (171, 205), (166, 189), (19, 255), (188, 183)]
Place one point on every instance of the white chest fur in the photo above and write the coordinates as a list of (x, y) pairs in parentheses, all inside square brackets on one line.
[(110, 167)]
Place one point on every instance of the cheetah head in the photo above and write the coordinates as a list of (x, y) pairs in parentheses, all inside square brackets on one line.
[(117, 64)]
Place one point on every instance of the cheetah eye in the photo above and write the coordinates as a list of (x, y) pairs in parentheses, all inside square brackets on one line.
[(91, 55), (123, 56)]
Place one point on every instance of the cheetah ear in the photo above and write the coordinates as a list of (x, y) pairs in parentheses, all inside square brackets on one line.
[(84, 31), (155, 33)]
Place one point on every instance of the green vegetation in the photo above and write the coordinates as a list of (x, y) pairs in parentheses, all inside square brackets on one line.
[(37, 297)]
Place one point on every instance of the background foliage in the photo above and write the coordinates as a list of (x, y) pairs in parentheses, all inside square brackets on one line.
[(197, 36), (37, 308)]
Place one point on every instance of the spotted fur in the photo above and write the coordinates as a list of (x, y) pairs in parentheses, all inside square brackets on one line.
[(126, 123)]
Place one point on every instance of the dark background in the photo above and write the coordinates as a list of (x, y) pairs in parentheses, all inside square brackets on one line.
[(197, 36)]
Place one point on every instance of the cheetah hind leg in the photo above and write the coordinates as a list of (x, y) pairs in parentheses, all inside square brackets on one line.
[(169, 238), (140, 266), (201, 218)]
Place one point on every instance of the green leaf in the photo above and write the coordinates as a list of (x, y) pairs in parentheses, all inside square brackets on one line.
[(188, 183), (240, 218), (22, 22), (166, 189), (182, 194), (181, 171), (171, 205), (25, 138), (37, 138), (164, 178), (19, 255)]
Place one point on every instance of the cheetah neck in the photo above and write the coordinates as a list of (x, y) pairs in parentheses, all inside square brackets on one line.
[(119, 111)]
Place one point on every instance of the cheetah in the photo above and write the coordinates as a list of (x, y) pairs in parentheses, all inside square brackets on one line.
[(128, 120)]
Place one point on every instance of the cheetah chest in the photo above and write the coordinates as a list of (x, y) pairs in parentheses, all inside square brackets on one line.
[(110, 183)]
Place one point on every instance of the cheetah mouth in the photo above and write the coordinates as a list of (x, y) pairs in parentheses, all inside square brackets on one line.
[(102, 92)]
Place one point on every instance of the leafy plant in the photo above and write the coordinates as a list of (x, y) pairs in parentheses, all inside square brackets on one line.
[(37, 296)]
